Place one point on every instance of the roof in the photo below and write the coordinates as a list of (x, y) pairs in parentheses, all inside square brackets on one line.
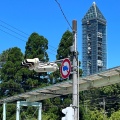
[(108, 77), (93, 13)]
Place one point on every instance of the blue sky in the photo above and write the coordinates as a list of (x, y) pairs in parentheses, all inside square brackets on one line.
[(45, 18)]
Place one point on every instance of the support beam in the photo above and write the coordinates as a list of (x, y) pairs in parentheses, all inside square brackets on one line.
[(18, 111), (39, 112), (4, 111)]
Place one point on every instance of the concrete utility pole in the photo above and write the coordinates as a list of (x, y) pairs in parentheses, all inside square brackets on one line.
[(75, 71)]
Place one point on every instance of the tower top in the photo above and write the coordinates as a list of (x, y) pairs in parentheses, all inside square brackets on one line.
[(93, 13), (94, 3)]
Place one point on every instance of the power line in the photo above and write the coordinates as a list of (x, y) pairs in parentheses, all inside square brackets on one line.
[(51, 48), (12, 35), (14, 27), (12, 31), (63, 13), (23, 36), (51, 52), (24, 40), (17, 30)]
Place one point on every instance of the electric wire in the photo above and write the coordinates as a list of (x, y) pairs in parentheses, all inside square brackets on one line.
[(14, 27), (12, 31), (51, 53), (63, 14), (50, 48), (54, 48), (12, 35), (28, 34), (25, 41)]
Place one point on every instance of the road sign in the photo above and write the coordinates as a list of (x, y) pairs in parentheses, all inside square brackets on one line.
[(65, 68)]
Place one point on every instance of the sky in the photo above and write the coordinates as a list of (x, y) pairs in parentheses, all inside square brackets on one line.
[(19, 19)]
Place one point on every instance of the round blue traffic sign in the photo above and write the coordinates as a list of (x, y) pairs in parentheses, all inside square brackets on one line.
[(65, 68)]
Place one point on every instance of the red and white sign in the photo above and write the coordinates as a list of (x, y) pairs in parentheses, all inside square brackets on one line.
[(65, 68)]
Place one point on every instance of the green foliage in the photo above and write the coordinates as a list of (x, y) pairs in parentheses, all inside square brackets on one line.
[(50, 116), (63, 51), (64, 46), (10, 73), (4, 55), (11, 111), (17, 79), (95, 115), (115, 116), (36, 47), (1, 111)]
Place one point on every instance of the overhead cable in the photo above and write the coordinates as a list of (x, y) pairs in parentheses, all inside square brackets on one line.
[(63, 13), (12, 35), (14, 27), (12, 31)]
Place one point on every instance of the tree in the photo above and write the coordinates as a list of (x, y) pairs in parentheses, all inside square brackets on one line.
[(64, 46), (3, 59), (4, 55), (17, 79), (62, 52), (36, 47), (10, 73)]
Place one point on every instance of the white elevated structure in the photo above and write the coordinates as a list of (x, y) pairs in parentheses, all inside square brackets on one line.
[(108, 77)]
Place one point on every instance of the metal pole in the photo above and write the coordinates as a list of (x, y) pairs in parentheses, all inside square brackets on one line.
[(4, 111), (75, 69), (39, 112), (18, 111)]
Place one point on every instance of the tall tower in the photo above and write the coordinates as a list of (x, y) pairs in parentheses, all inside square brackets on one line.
[(94, 56)]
